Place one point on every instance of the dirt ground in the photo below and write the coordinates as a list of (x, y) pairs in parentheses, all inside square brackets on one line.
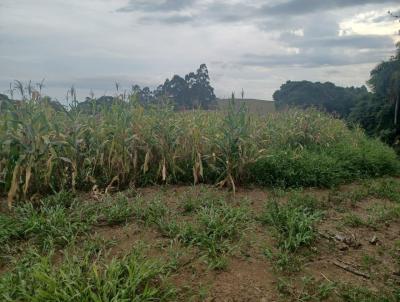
[(356, 245)]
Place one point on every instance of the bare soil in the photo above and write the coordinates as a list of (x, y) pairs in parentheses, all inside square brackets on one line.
[(250, 275)]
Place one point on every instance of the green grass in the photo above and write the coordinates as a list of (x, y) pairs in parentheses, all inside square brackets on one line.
[(376, 215), (115, 210), (353, 220), (52, 223), (351, 293), (215, 230), (55, 249), (309, 290), (77, 278), (385, 188), (293, 224), (324, 167)]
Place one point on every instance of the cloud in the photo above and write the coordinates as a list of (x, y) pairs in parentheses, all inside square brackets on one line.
[(245, 43), (156, 6), (169, 20), (345, 41), (313, 58), (300, 7)]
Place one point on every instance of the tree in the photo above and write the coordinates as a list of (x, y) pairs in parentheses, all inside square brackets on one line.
[(177, 90), (385, 81), (193, 91), (202, 94), (4, 102), (378, 113), (325, 96)]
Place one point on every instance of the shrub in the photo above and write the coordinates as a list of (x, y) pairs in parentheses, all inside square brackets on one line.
[(324, 167)]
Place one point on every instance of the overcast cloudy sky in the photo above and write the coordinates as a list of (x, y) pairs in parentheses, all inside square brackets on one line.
[(251, 44)]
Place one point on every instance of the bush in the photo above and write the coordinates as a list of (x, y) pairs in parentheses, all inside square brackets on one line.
[(325, 167)]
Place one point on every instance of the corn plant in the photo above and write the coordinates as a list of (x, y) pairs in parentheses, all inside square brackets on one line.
[(46, 148)]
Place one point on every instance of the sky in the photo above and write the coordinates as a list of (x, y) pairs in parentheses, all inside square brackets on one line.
[(250, 44)]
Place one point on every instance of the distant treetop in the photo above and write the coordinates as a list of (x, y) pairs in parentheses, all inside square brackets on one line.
[(326, 96)]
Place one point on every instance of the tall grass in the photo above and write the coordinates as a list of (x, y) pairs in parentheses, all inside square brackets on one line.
[(46, 150)]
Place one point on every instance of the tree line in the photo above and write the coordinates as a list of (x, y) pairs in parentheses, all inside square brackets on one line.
[(376, 110), (191, 91)]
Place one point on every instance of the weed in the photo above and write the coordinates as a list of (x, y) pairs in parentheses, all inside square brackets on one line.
[(284, 260), (367, 261), (150, 213), (351, 293), (384, 189), (294, 226), (353, 197), (353, 220), (116, 210), (306, 202), (132, 278), (309, 289), (191, 203), (215, 228), (62, 199), (49, 225)]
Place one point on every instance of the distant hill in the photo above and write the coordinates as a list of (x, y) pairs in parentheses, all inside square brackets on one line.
[(255, 106)]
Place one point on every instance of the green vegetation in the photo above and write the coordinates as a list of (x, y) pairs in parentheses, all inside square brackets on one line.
[(359, 293), (310, 290), (78, 278), (376, 111), (326, 96), (55, 222), (175, 245), (385, 188), (293, 225), (256, 107), (213, 229), (309, 152), (44, 150), (191, 91), (68, 246)]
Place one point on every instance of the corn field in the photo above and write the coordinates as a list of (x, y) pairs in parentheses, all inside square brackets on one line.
[(45, 150)]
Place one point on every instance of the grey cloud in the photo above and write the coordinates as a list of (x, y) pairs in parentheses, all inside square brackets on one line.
[(168, 11), (312, 59), (154, 6), (267, 16), (347, 41), (299, 7), (170, 19), (105, 46)]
